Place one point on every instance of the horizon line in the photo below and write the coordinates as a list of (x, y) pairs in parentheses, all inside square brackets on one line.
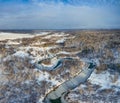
[(69, 29)]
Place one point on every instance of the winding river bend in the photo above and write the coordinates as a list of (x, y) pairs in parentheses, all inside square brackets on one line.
[(57, 95)]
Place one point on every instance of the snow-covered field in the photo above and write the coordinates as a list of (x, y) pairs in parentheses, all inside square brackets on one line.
[(22, 82), (4, 36)]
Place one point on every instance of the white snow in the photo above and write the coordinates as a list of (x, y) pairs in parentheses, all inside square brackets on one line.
[(4, 36), (54, 35), (39, 43), (44, 76), (40, 100), (7, 58), (116, 54), (104, 80), (12, 42), (38, 52), (8, 35), (42, 33), (73, 96), (61, 40), (21, 54), (55, 82), (62, 52)]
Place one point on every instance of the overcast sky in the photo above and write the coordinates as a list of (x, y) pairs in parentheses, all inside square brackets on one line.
[(59, 14)]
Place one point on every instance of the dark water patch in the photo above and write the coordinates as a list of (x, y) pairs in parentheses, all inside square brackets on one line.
[(58, 100)]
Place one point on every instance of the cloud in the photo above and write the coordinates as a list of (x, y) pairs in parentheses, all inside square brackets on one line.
[(39, 14), (80, 2)]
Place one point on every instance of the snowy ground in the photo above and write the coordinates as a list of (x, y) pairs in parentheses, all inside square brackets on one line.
[(17, 69), (4, 36)]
